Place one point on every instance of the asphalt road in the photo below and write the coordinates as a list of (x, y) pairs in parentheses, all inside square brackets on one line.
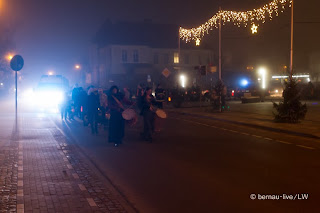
[(199, 165)]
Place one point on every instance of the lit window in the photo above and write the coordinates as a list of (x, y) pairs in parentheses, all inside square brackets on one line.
[(135, 56), (124, 56), (176, 58)]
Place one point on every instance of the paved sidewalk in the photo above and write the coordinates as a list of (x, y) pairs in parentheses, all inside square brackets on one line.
[(42, 172), (260, 115)]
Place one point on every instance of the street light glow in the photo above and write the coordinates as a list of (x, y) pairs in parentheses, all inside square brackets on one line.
[(50, 73), (183, 81), (77, 66), (263, 72), (9, 57)]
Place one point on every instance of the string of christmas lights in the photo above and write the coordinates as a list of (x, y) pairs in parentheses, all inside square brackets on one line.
[(238, 18)]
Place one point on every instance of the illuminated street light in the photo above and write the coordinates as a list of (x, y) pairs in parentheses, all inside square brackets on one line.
[(9, 57), (183, 81), (77, 66), (263, 72)]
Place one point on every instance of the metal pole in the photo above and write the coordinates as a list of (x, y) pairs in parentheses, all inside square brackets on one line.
[(220, 60), (16, 95), (179, 45), (291, 47)]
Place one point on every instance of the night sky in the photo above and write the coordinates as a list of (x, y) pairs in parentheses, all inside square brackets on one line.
[(55, 34)]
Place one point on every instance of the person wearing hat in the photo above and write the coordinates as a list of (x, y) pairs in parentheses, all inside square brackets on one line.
[(116, 122)]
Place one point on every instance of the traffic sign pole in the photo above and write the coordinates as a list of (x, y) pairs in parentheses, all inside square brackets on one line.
[(16, 95), (16, 65)]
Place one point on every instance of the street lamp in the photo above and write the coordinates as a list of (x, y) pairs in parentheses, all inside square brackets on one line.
[(9, 57), (262, 71), (77, 66), (183, 81)]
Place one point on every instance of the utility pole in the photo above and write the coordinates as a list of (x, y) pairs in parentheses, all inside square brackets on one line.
[(220, 65), (291, 46)]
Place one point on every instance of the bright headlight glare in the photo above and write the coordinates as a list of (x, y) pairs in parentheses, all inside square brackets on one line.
[(50, 98)]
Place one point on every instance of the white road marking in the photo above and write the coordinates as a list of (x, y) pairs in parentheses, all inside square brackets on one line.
[(257, 136), (269, 139), (20, 175), (283, 142), (82, 187), (20, 208), (305, 147), (243, 133), (91, 202), (75, 175), (20, 192)]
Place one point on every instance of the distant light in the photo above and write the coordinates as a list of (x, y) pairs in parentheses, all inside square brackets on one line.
[(308, 79), (263, 73), (280, 76), (254, 29), (294, 76), (250, 68), (169, 99), (50, 73), (183, 80), (77, 66), (1, 84), (9, 57), (244, 82), (198, 42), (277, 91)]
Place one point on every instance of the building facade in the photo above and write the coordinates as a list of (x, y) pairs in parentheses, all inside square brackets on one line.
[(133, 59)]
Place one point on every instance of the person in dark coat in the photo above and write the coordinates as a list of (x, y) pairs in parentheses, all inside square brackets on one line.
[(116, 122), (148, 113), (160, 96), (93, 107)]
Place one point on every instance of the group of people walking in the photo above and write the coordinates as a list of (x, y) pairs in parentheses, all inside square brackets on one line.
[(106, 107)]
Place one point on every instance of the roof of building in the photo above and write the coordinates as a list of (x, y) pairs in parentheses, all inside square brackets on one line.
[(144, 33)]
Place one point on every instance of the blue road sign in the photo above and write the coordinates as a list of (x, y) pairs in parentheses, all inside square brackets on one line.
[(17, 63)]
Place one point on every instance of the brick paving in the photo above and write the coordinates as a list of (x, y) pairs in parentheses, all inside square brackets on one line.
[(42, 172), (9, 177)]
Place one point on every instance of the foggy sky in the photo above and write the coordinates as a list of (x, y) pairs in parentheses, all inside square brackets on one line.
[(55, 34)]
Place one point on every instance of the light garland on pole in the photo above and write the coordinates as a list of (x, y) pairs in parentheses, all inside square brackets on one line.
[(238, 18)]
